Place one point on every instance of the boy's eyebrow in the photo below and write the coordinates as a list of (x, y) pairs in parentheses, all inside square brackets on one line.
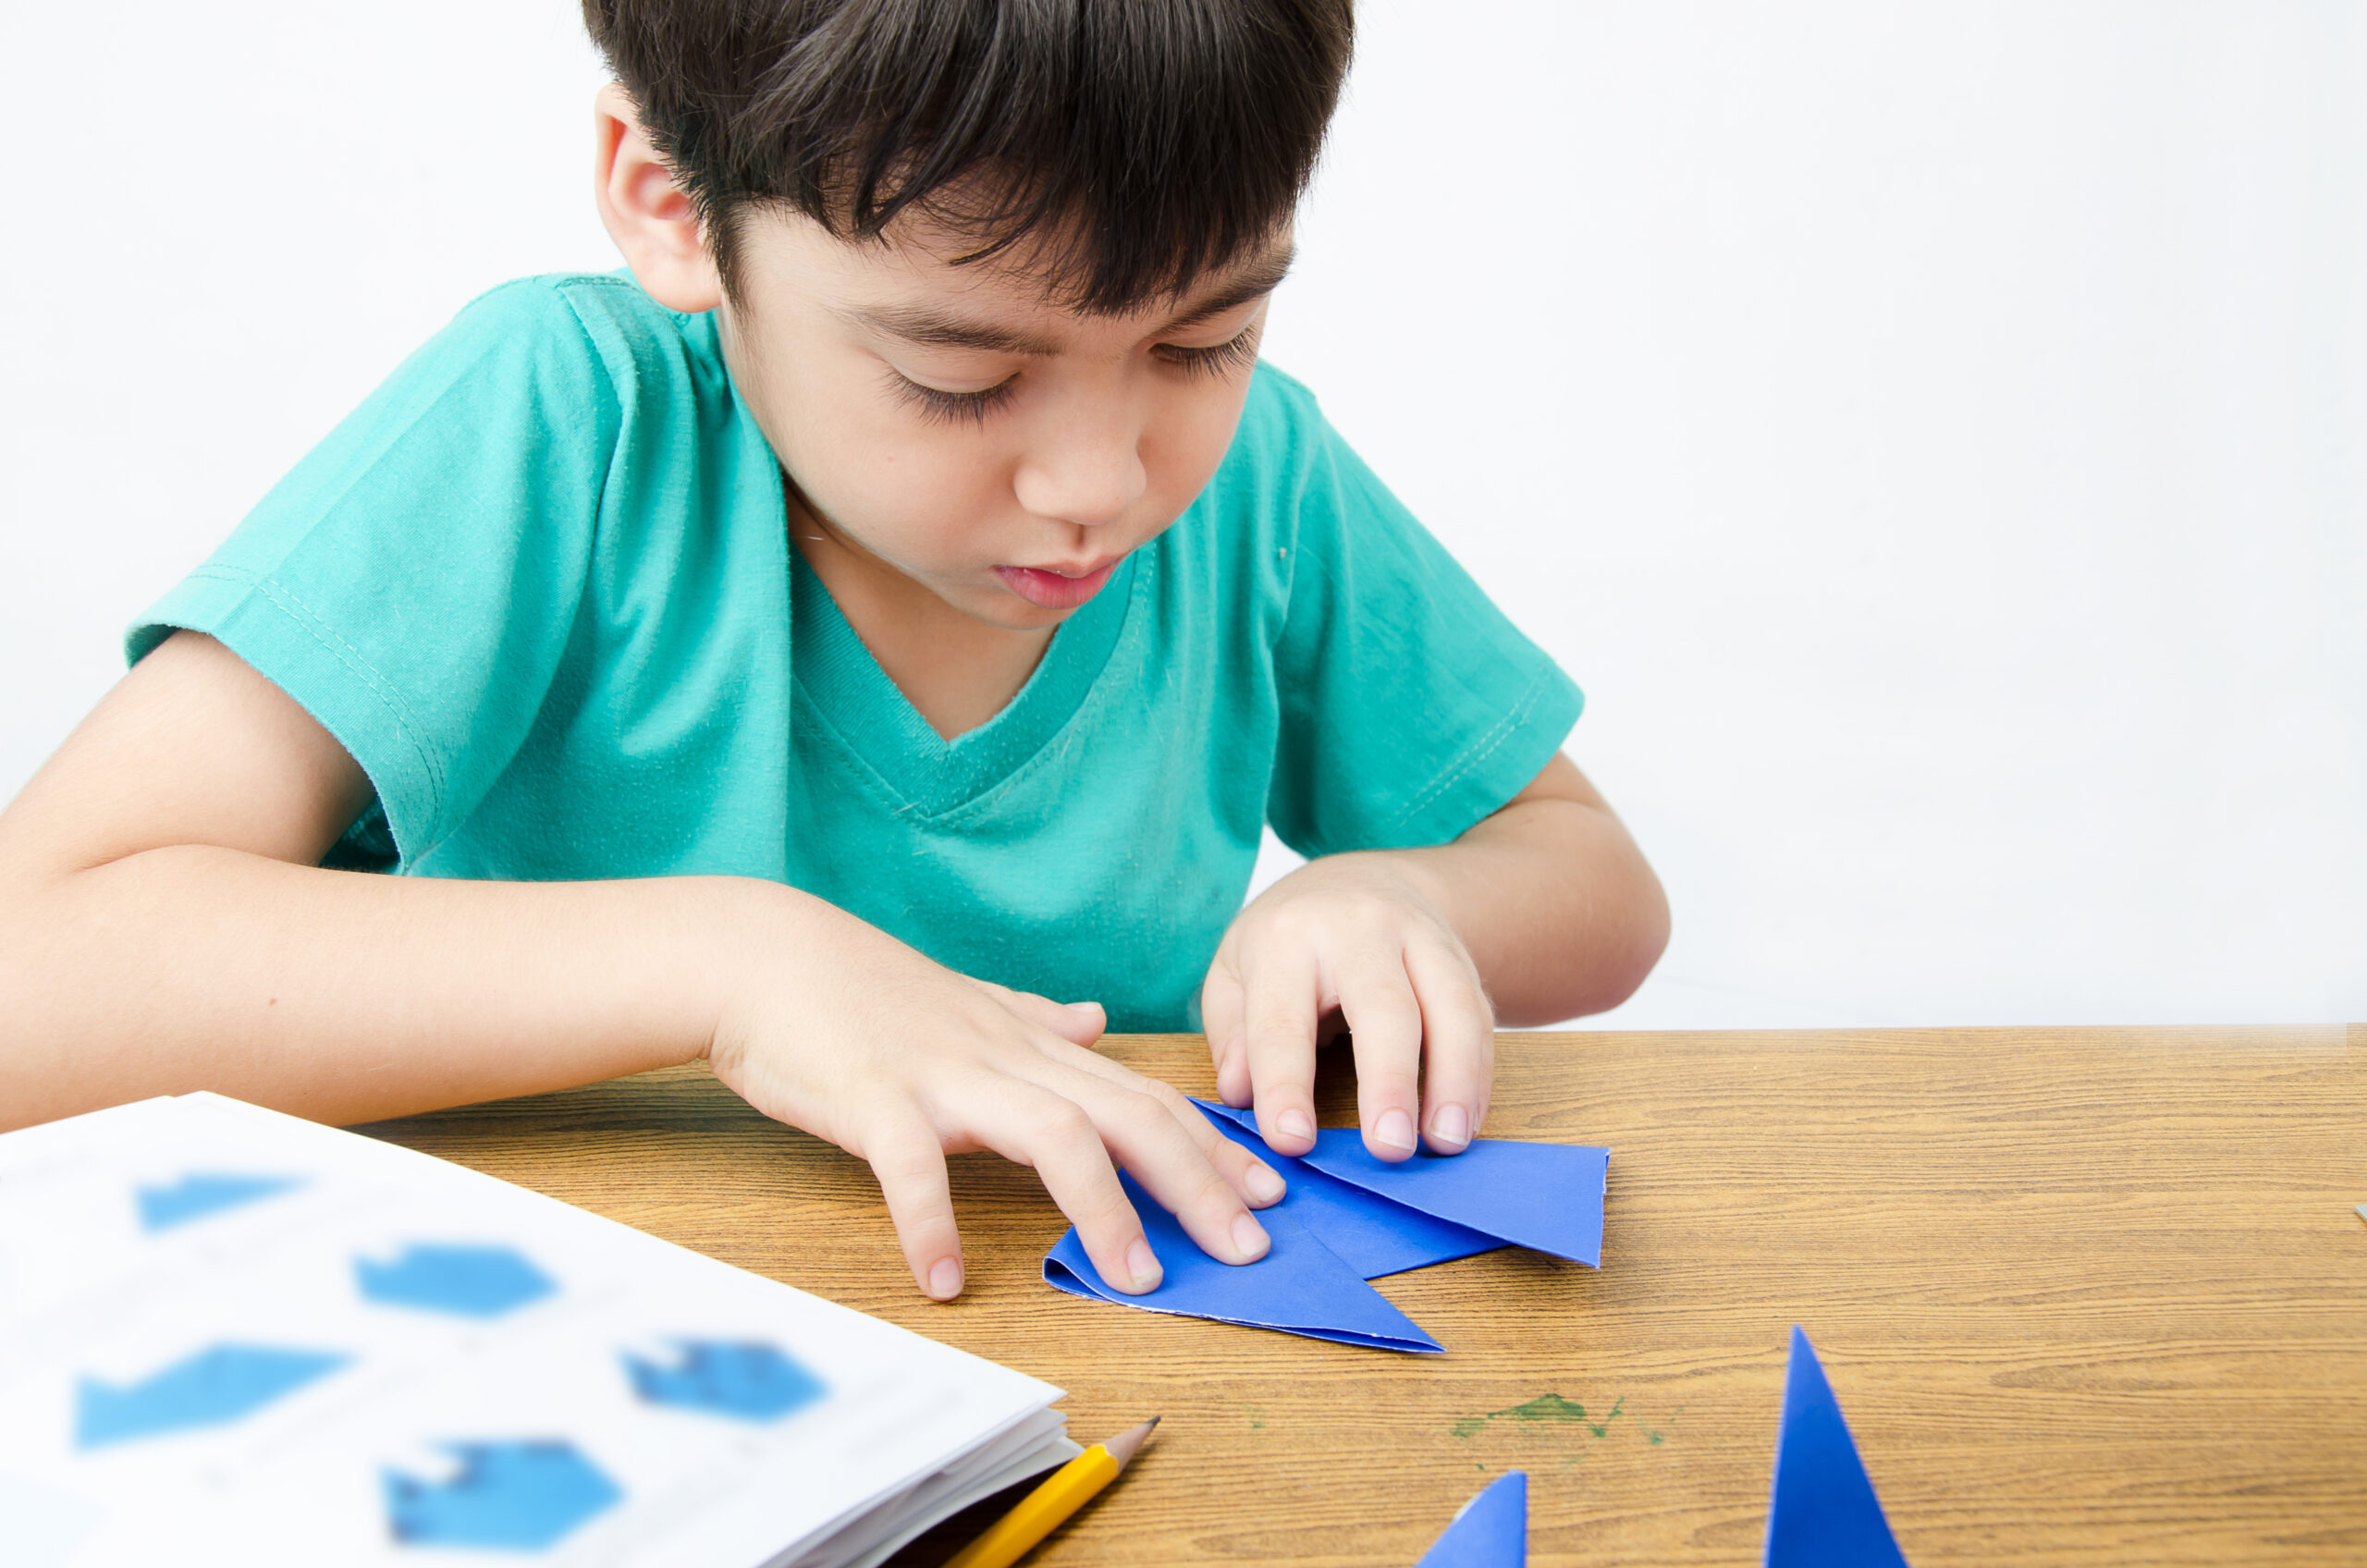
[(936, 329), (1261, 277)]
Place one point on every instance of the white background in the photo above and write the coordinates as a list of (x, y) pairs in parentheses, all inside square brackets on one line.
[(1933, 434)]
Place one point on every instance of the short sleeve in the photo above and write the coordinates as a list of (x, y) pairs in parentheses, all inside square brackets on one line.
[(413, 581), (1410, 708)]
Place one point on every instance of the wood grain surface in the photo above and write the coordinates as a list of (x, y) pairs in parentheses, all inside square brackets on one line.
[(2088, 1296)]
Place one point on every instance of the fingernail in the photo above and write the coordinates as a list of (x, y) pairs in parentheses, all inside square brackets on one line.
[(945, 1279), (1295, 1124), (1263, 1184), (1249, 1238), (1396, 1129), (1452, 1125), (1142, 1266), (1087, 1011)]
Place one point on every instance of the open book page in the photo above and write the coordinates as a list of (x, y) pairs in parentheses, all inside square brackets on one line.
[(233, 1336)]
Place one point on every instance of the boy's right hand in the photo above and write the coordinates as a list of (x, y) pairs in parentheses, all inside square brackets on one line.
[(862, 1040)]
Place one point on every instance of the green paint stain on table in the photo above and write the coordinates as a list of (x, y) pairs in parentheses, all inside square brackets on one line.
[(1547, 1407), (1544, 1407), (1604, 1431)]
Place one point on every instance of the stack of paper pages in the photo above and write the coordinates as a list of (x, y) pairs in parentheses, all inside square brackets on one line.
[(227, 1336)]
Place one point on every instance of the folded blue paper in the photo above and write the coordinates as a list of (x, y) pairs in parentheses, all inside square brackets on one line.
[(1823, 1511), (1492, 1530), (1349, 1217)]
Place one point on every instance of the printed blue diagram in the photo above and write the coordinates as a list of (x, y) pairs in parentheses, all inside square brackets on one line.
[(218, 1385), (751, 1381), (507, 1496), (201, 1192), (468, 1281)]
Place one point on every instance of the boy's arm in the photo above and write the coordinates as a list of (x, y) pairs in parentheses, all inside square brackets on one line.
[(1545, 909), (164, 926)]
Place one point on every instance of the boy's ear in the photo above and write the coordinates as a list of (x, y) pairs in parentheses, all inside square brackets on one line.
[(646, 213)]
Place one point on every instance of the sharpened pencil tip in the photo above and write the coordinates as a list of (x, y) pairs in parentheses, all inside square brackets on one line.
[(1126, 1444)]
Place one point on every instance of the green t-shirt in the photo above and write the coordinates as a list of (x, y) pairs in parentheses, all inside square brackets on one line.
[(540, 587)]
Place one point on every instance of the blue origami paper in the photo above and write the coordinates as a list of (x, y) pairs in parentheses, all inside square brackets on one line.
[(1492, 1530), (1349, 1217), (1822, 1513)]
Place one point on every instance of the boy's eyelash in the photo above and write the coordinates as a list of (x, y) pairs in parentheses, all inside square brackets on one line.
[(942, 407), (1216, 360)]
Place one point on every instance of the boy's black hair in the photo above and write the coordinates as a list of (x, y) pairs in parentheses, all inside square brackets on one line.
[(1136, 145)]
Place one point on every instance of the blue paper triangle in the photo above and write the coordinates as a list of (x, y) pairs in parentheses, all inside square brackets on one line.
[(1544, 1196), (1547, 1198), (1824, 1512), (1373, 1237), (1350, 1218), (1491, 1531), (1300, 1286)]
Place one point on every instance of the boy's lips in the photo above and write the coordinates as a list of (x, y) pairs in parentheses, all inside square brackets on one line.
[(1051, 590)]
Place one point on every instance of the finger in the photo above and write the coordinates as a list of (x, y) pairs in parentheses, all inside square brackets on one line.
[(1279, 1003), (1384, 1022), (1080, 1023), (1220, 1015), (1258, 1183), (1156, 1149), (1458, 1045), (1036, 1127), (910, 1164)]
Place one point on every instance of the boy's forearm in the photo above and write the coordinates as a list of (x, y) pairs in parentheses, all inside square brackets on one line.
[(1556, 905), (344, 997)]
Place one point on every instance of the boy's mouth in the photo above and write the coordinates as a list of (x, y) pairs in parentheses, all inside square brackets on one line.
[(1051, 590)]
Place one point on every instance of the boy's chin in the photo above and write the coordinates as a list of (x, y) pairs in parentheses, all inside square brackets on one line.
[(992, 603)]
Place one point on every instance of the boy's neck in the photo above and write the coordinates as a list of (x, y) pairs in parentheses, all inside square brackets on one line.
[(956, 670)]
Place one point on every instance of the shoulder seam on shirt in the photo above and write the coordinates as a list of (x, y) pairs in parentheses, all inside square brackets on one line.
[(616, 406), (282, 598)]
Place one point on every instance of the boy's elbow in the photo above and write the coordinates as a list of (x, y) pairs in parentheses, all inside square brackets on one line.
[(1613, 954), (1637, 941)]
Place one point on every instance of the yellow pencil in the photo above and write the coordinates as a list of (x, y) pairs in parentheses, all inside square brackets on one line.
[(1063, 1492)]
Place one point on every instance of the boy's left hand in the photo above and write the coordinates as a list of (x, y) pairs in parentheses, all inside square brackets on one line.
[(1361, 935)]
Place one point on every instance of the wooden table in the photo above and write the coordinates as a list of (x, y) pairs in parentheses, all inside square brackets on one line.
[(2086, 1296)]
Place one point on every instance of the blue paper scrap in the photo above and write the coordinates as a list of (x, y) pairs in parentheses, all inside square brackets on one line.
[(201, 1192), (507, 1496), (1349, 1217), (1490, 1531), (753, 1381), (1823, 1511), (217, 1386), (468, 1281)]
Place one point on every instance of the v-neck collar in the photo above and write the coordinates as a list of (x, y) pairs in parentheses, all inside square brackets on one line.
[(857, 700)]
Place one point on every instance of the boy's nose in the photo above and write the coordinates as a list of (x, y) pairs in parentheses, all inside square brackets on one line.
[(1090, 477)]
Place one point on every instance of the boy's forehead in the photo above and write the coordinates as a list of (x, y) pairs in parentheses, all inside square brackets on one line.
[(914, 284)]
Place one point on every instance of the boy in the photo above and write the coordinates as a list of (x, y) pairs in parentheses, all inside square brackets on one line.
[(900, 603)]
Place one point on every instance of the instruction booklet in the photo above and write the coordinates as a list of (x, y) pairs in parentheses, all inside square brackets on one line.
[(229, 1336)]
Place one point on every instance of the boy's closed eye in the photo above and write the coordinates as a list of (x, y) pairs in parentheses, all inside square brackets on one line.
[(950, 366), (951, 392)]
